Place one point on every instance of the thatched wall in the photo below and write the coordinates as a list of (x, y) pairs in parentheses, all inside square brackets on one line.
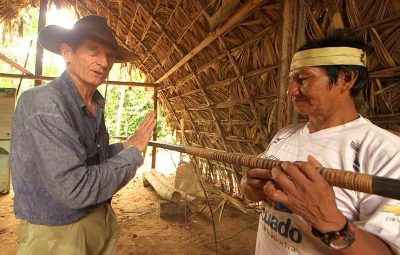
[(221, 66)]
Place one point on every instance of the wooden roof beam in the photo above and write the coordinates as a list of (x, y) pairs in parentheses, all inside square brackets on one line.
[(241, 14)]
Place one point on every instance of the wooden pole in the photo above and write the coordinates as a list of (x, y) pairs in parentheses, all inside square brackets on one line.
[(49, 78), (119, 111), (14, 64), (154, 151), (288, 47), (39, 48), (366, 183), (300, 40), (396, 4)]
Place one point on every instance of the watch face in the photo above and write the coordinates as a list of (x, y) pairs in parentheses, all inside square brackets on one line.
[(340, 244)]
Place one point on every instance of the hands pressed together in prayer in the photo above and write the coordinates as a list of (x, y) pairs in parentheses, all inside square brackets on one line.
[(299, 187), (142, 135)]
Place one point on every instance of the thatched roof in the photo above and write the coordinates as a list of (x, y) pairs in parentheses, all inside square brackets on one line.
[(221, 65)]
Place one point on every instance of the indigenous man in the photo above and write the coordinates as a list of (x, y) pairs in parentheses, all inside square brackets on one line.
[(64, 170), (302, 213)]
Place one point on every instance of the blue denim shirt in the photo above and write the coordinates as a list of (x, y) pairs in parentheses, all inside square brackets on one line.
[(62, 163)]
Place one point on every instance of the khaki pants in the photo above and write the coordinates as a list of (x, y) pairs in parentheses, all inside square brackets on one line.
[(97, 233)]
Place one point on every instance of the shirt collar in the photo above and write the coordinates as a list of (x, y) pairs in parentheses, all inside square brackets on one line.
[(97, 97)]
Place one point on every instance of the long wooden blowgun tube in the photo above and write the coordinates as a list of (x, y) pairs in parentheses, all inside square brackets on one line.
[(370, 184)]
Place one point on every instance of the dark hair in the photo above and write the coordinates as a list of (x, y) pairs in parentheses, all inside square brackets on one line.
[(333, 71)]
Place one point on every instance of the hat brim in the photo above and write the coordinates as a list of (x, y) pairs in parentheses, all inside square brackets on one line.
[(52, 36)]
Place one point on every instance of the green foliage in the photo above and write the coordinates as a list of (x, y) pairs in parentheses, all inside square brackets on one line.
[(137, 103)]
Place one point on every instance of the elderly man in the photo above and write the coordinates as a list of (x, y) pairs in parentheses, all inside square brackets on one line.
[(64, 170), (302, 213)]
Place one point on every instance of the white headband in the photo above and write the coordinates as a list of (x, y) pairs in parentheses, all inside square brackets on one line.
[(329, 56)]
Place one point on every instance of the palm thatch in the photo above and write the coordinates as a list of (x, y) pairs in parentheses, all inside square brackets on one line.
[(222, 71)]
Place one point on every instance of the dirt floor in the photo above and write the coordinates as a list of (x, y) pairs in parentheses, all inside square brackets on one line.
[(142, 231)]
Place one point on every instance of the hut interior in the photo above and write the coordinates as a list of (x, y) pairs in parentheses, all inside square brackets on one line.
[(219, 68)]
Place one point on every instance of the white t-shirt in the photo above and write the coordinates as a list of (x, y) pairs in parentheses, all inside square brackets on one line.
[(355, 146)]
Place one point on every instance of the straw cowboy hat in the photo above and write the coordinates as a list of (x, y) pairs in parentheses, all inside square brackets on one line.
[(90, 27)]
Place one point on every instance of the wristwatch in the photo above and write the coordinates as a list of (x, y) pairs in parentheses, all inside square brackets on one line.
[(337, 240)]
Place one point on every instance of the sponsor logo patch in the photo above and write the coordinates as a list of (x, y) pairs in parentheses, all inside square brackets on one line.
[(395, 209)]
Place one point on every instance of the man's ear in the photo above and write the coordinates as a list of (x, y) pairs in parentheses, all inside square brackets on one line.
[(347, 79), (66, 52)]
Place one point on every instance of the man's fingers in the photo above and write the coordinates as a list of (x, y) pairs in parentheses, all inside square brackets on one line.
[(256, 183), (308, 168), (274, 193), (259, 173), (283, 180), (147, 122), (313, 161)]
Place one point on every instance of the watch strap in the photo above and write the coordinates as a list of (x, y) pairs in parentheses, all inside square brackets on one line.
[(345, 236)]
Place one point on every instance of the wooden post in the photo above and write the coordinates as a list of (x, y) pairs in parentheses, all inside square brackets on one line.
[(119, 111), (396, 4), (290, 16), (39, 48), (300, 40), (154, 150)]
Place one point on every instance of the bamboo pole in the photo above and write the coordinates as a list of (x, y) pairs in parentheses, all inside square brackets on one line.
[(288, 45), (49, 78), (300, 40), (119, 111), (14, 64), (366, 183), (155, 108), (39, 48)]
